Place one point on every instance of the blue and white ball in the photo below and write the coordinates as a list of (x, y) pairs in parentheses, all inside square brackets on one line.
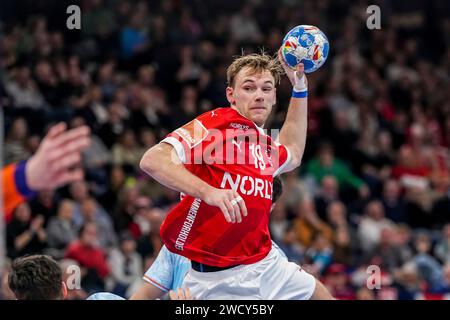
[(306, 44)]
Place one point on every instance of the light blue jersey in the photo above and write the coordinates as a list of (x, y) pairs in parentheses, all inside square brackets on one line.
[(169, 269)]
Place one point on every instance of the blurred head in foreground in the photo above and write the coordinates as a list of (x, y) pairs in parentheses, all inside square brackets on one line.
[(36, 277)]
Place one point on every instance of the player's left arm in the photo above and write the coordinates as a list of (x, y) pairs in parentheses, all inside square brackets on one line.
[(157, 280), (293, 131), (147, 291)]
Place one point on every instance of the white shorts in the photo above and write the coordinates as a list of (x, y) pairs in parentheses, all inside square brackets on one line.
[(272, 278)]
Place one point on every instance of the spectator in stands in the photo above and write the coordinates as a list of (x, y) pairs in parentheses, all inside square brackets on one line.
[(15, 144), (308, 224), (293, 250), (326, 164), (91, 258), (244, 27), (44, 204), (23, 89), (150, 242), (320, 253), (48, 83), (371, 225), (24, 234), (386, 251), (127, 151), (95, 158), (294, 192), (418, 203), (92, 212), (79, 191), (116, 183), (337, 281), (427, 266), (329, 192), (126, 206), (408, 165), (111, 130), (60, 230), (443, 286), (403, 241), (278, 223), (440, 210), (393, 204), (126, 266), (408, 282), (345, 241), (442, 248)]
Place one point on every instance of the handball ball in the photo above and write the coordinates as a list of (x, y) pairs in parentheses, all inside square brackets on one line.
[(306, 44)]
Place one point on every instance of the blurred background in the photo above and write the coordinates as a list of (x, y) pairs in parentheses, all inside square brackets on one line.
[(374, 185)]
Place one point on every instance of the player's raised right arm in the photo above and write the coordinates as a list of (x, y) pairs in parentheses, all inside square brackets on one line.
[(163, 164)]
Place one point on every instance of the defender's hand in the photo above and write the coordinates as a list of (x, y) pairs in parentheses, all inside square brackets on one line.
[(229, 201), (54, 163), (180, 294)]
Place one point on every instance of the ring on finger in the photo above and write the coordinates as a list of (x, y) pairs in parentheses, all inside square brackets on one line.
[(233, 202)]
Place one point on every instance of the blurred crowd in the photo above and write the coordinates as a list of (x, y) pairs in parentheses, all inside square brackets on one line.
[(374, 184)]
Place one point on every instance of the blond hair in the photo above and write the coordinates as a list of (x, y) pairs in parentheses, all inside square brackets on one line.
[(258, 63)]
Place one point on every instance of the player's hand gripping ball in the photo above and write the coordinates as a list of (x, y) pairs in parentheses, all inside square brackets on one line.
[(306, 44)]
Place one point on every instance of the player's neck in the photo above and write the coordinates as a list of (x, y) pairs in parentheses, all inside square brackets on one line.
[(237, 110)]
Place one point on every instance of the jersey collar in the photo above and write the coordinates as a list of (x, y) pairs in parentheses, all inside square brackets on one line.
[(260, 129)]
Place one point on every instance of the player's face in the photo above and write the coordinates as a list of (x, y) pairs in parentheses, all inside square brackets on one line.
[(253, 95)]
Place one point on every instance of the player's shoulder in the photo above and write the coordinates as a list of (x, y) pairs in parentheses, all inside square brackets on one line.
[(214, 118), (224, 117), (216, 114)]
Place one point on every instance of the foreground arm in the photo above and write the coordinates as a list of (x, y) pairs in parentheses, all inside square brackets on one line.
[(53, 165), (321, 292), (147, 291)]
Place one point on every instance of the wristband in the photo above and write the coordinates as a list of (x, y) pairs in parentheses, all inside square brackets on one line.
[(302, 94), (21, 181), (300, 89)]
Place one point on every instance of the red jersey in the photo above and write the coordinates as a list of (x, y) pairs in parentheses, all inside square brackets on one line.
[(89, 257), (227, 151)]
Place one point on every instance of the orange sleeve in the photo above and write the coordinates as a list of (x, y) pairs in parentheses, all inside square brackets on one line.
[(15, 190)]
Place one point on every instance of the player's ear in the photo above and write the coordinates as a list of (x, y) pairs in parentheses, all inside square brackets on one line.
[(64, 290), (230, 96)]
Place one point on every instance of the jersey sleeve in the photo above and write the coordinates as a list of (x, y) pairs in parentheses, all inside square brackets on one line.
[(15, 188), (160, 274), (284, 158), (187, 137)]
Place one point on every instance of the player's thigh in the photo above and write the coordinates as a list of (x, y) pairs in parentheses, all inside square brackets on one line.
[(300, 286), (321, 292), (284, 280)]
